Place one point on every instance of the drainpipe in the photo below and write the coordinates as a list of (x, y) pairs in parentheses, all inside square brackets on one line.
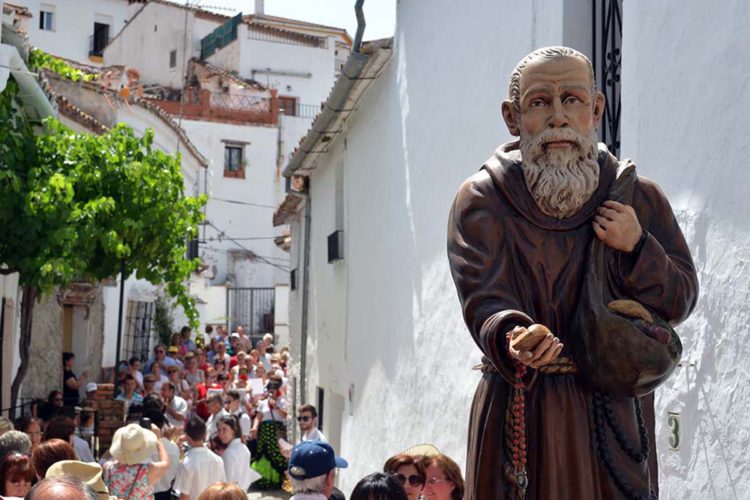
[(360, 25), (11, 63), (305, 288)]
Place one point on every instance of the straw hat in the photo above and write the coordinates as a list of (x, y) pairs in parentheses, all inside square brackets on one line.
[(422, 450), (5, 425), (133, 444), (89, 473)]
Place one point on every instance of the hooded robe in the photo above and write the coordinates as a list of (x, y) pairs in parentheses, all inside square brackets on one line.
[(514, 265)]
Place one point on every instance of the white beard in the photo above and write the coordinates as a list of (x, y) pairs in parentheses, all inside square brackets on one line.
[(560, 180)]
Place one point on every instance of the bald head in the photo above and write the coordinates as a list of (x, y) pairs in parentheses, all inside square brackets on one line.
[(540, 55), (62, 488)]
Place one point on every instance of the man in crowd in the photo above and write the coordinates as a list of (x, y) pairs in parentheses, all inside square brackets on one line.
[(307, 416), (62, 488), (268, 340), (263, 356), (129, 395), (175, 407), (163, 489), (201, 467), (185, 339), (233, 405), (312, 468), (234, 344), (245, 343), (92, 396), (160, 356), (14, 441), (215, 404)]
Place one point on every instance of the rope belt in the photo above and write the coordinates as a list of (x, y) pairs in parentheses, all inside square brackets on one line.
[(561, 366)]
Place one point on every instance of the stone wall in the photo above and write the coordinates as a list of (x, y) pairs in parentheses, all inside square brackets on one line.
[(45, 371)]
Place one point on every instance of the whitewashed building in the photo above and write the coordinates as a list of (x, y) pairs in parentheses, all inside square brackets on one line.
[(377, 322), (245, 90), (78, 30)]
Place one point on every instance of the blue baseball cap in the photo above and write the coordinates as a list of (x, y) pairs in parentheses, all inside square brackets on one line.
[(312, 459)]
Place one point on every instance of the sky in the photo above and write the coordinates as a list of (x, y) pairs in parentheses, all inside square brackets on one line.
[(380, 15)]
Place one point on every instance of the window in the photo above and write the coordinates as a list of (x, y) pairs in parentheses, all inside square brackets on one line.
[(173, 59), (288, 105), (99, 40), (234, 166), (47, 20)]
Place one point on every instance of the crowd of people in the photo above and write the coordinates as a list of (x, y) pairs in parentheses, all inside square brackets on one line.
[(204, 420)]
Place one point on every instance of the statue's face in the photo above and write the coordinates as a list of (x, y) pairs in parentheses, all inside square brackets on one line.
[(555, 94)]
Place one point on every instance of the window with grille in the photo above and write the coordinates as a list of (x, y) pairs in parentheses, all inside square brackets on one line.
[(234, 165)]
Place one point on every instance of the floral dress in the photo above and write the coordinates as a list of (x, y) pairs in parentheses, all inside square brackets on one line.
[(129, 482)]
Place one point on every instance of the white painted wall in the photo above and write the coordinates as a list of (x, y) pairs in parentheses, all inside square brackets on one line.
[(281, 317), (74, 24), (408, 354), (260, 186), (282, 57), (685, 110), (150, 37)]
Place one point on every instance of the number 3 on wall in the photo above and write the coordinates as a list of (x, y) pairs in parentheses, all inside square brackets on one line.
[(674, 426)]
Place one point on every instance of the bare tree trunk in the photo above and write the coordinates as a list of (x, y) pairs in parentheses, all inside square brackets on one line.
[(27, 308)]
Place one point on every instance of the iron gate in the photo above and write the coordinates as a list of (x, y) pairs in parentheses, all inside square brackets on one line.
[(607, 61), (138, 334), (252, 309)]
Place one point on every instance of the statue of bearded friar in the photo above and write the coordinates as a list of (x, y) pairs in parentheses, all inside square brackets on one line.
[(556, 237)]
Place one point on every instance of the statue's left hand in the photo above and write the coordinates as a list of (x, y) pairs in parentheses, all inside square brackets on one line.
[(617, 226)]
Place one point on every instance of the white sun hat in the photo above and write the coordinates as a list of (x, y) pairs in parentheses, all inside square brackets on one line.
[(133, 444)]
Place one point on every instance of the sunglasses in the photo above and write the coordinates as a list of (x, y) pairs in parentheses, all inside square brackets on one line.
[(414, 479), (304, 419), (228, 401)]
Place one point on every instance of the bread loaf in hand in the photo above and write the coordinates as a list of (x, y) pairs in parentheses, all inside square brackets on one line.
[(529, 339)]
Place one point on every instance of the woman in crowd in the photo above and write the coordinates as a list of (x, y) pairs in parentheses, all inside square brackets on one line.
[(378, 486), (223, 491), (182, 387), (269, 426), (33, 428), (50, 452), (55, 398), (443, 480), (159, 377), (16, 474), (133, 474), (236, 456), (408, 471), (193, 374), (71, 383)]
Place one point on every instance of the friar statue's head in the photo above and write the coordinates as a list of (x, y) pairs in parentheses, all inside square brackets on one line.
[(555, 109)]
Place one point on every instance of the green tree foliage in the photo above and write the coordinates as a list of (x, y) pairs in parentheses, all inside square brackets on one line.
[(74, 205)]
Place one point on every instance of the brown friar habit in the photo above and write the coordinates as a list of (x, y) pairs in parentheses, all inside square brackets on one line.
[(514, 265)]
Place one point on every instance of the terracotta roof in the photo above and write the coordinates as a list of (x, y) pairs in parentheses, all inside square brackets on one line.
[(226, 74), (143, 103)]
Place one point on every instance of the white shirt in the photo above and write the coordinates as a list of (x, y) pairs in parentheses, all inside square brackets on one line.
[(199, 469), (180, 406), (265, 410), (212, 424), (237, 464), (314, 434), (244, 422), (82, 449), (173, 452)]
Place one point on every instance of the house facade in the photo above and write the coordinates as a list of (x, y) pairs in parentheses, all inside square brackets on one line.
[(378, 192)]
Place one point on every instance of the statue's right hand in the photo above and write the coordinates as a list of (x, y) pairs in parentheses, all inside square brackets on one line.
[(543, 354)]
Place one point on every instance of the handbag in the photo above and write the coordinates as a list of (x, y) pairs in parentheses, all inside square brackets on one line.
[(616, 347)]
